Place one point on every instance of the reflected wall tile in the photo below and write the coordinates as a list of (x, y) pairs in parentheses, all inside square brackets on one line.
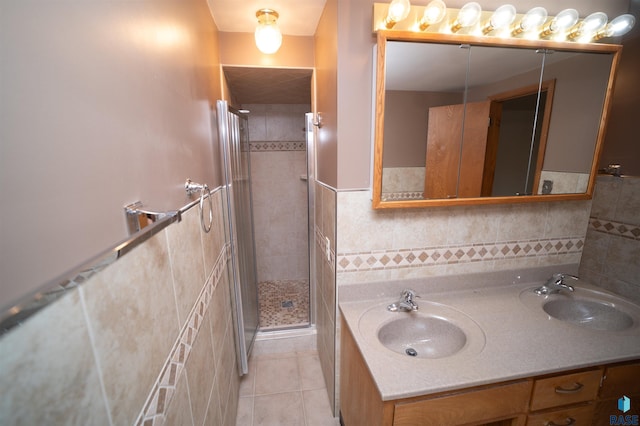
[(51, 370), (185, 249), (124, 302)]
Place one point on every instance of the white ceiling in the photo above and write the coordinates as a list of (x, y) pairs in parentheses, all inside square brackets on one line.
[(297, 17)]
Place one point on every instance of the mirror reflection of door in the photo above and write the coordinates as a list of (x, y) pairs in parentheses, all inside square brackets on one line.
[(517, 140), (456, 152)]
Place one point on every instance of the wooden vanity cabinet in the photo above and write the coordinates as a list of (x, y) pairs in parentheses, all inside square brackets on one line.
[(617, 381), (584, 397)]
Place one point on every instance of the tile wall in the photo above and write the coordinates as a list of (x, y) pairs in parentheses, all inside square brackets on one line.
[(611, 257), (279, 195), (326, 306), (148, 340)]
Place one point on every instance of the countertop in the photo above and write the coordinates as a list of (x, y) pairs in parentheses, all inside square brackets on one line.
[(520, 340)]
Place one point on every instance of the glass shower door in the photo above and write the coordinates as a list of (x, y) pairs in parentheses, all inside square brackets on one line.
[(234, 143)]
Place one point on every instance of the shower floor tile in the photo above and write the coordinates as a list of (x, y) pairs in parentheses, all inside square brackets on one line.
[(283, 303)]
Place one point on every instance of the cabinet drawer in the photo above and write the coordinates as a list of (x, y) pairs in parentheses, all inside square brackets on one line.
[(621, 380), (499, 402), (575, 416), (566, 389)]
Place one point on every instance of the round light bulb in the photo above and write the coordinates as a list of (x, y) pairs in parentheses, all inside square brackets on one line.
[(268, 36), (594, 23), (469, 14), (564, 20), (503, 16), (533, 18), (433, 13), (620, 25), (398, 10)]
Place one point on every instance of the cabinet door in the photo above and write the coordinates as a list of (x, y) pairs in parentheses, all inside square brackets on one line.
[(621, 380), (566, 389), (563, 417), (499, 402)]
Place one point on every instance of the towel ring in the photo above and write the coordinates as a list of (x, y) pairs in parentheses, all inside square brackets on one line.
[(192, 187), (204, 227)]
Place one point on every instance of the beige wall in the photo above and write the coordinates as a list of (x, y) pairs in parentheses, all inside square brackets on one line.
[(326, 61), (103, 104), (621, 142)]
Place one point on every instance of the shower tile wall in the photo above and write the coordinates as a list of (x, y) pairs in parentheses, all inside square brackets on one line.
[(611, 257), (279, 194), (150, 338)]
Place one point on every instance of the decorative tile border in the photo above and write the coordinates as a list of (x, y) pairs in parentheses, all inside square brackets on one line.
[(396, 196), (264, 146), (430, 256), (155, 409), (617, 229)]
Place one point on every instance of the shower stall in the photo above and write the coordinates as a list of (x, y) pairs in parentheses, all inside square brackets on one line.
[(268, 163)]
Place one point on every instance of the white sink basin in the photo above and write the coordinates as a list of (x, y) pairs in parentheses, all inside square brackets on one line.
[(434, 331), (422, 337), (586, 307)]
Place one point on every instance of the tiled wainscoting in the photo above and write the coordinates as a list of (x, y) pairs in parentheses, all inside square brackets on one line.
[(611, 256), (148, 340)]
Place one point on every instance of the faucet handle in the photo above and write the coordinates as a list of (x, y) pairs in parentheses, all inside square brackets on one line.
[(409, 294)]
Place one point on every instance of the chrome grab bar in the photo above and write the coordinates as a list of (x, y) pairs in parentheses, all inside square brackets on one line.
[(192, 187)]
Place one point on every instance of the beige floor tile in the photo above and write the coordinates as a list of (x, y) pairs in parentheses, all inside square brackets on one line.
[(310, 371), (317, 410), (283, 409), (247, 382), (277, 375)]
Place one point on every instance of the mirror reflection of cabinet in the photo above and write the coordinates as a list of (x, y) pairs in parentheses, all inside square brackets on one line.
[(541, 143)]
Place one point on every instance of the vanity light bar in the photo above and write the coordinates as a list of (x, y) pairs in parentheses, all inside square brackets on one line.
[(533, 25)]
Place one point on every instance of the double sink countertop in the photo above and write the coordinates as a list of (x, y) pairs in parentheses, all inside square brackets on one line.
[(509, 336)]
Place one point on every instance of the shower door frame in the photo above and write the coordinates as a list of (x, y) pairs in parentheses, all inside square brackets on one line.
[(245, 333)]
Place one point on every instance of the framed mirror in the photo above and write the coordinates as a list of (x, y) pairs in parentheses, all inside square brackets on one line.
[(463, 120)]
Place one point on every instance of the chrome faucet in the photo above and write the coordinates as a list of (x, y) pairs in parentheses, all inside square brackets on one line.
[(406, 302), (555, 284)]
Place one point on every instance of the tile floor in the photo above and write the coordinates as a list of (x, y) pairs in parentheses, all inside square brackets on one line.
[(285, 386), (283, 303)]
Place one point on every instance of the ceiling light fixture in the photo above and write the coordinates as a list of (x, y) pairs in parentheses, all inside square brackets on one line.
[(468, 16), (268, 36), (398, 11), (433, 13)]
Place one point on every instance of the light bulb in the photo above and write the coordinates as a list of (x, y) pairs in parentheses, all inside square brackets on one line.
[(620, 25), (398, 10), (531, 20), (501, 18), (589, 26), (267, 35), (563, 20), (468, 16), (433, 13)]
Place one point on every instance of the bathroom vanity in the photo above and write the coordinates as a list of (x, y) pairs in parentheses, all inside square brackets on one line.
[(517, 364)]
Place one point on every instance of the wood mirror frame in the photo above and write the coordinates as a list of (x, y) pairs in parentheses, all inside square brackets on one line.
[(384, 36)]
